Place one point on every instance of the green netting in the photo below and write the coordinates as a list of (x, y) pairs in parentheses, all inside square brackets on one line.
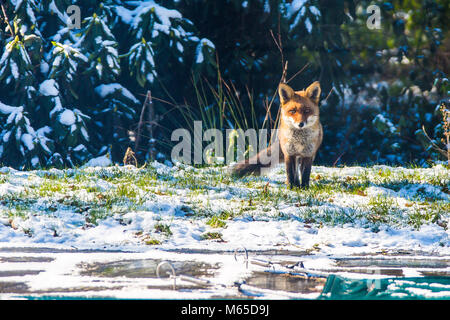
[(338, 287)]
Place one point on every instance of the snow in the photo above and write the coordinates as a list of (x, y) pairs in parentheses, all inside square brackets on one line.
[(49, 88), (103, 161), (199, 51), (293, 7), (67, 51), (14, 69), (314, 10), (35, 161), (44, 131), (308, 25), (298, 17), (134, 17), (58, 106), (44, 67), (62, 15), (6, 53), (27, 140), (6, 109), (84, 133), (381, 119), (106, 89), (79, 148), (67, 117), (267, 6), (180, 47), (6, 136), (15, 113), (42, 139)]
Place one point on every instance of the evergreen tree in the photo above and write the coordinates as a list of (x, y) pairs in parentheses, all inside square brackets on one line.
[(74, 85)]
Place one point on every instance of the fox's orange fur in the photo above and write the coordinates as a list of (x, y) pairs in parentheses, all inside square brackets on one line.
[(300, 135)]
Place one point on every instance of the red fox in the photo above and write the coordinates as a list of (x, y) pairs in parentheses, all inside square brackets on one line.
[(300, 135)]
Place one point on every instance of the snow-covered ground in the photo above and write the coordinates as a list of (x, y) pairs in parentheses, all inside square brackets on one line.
[(346, 211), (177, 210)]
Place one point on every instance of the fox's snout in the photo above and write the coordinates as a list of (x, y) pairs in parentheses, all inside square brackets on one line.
[(303, 123)]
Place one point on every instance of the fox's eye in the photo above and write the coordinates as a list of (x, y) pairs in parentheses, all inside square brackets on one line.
[(292, 111), (307, 110)]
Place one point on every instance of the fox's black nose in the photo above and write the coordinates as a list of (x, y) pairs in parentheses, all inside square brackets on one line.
[(301, 124)]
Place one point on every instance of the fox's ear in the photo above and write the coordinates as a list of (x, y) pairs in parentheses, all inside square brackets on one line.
[(313, 92), (285, 92)]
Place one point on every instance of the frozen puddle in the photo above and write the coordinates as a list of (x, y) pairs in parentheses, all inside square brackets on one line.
[(57, 273)]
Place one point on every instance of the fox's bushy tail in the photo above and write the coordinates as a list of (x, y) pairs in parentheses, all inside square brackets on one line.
[(263, 159)]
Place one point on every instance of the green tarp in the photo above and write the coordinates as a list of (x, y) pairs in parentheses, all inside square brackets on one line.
[(337, 287)]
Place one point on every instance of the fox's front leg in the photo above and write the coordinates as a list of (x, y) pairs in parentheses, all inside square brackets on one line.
[(292, 172), (305, 169)]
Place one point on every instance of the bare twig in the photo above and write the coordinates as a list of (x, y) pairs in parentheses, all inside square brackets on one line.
[(338, 158), (159, 99), (2, 4), (284, 66), (141, 119), (298, 72), (151, 119), (147, 103), (329, 93), (279, 45), (434, 145)]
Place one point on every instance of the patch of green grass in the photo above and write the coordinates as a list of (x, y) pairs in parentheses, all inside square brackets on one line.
[(49, 188), (53, 176), (226, 215), (216, 222), (126, 191), (152, 242), (17, 212), (329, 216), (310, 199), (28, 232), (163, 228), (17, 200), (425, 212), (419, 216), (201, 180), (147, 178), (322, 187), (381, 209), (113, 175), (212, 236), (71, 201), (270, 195), (92, 189), (96, 214), (358, 188), (384, 173)]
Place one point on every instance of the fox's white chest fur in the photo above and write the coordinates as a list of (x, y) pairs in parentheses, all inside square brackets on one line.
[(301, 142)]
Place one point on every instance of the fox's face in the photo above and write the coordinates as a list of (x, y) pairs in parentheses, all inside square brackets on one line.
[(300, 109)]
